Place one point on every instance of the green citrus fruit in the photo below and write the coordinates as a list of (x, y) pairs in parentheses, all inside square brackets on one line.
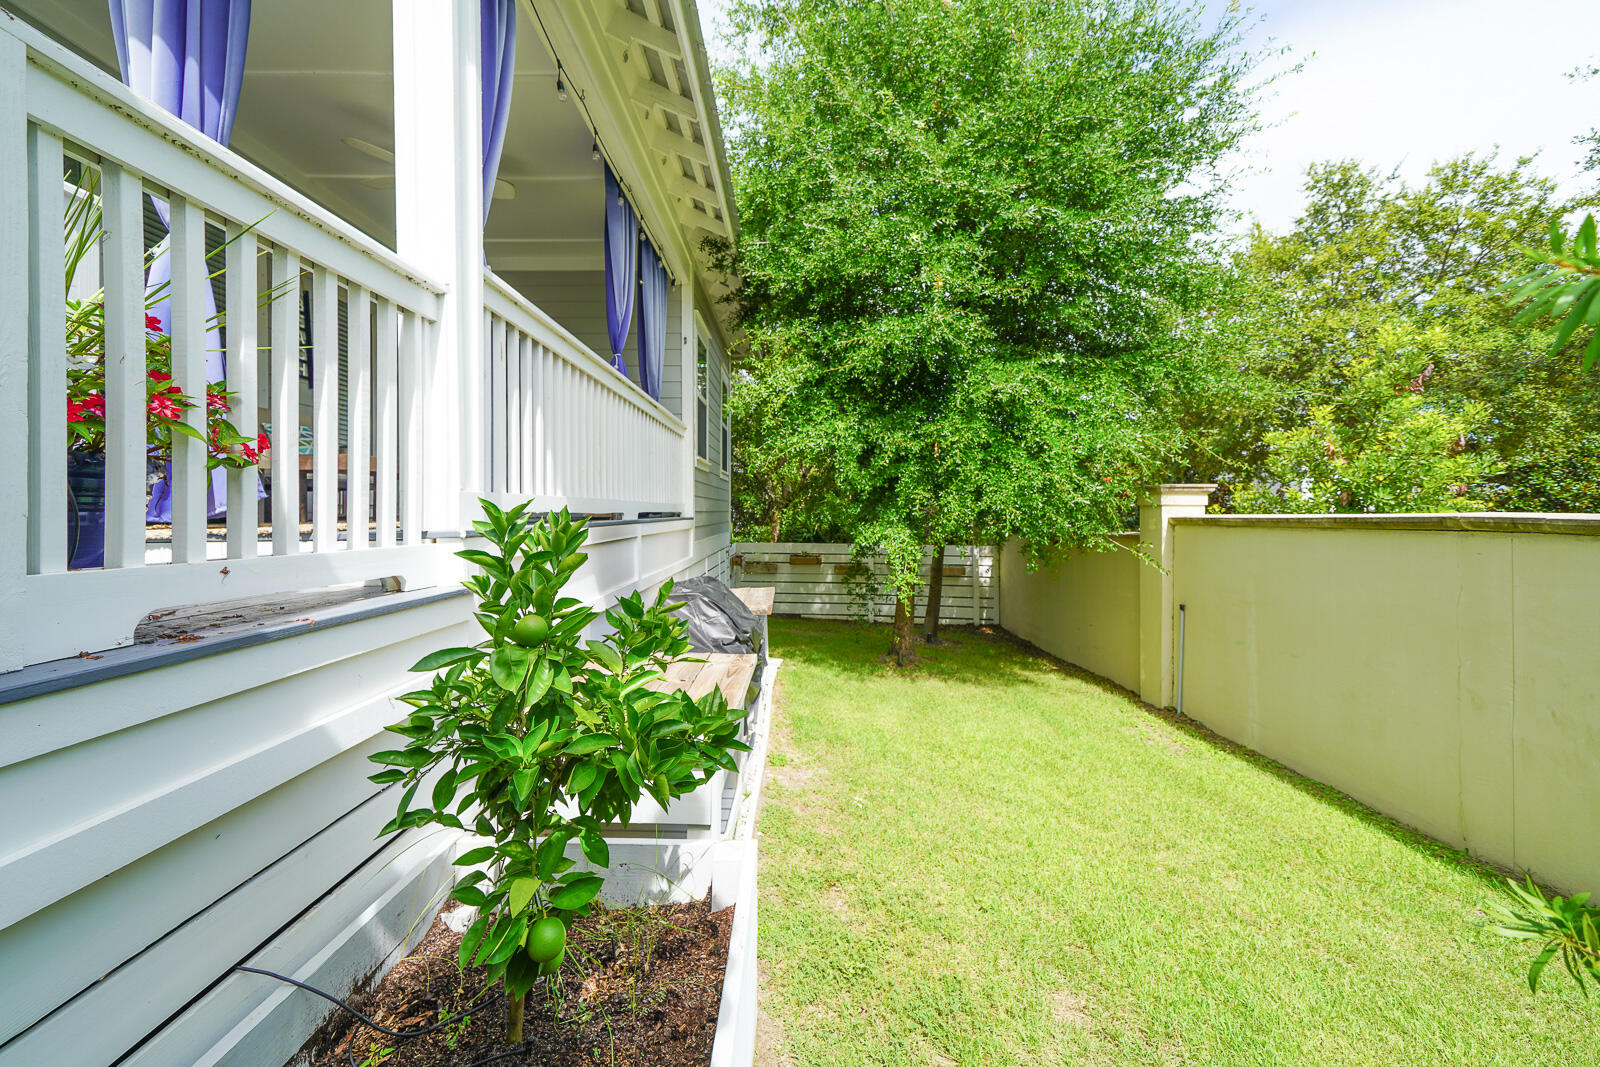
[(547, 938), (530, 630)]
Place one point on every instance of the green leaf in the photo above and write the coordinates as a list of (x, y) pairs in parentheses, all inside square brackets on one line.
[(581, 776), (385, 777), (1537, 967), (1575, 316), (444, 657), (471, 939), (543, 674), (522, 784), (605, 655), (522, 974), (509, 666), (519, 891), (577, 893), (488, 561), (473, 857), (504, 939), (444, 790), (588, 743), (550, 853), (411, 757), (468, 894), (595, 848), (1591, 354)]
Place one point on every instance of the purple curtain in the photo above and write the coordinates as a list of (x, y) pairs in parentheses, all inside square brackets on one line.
[(622, 268), (498, 37), (187, 57), (652, 318)]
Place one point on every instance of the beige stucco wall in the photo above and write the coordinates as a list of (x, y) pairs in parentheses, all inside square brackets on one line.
[(1447, 677), (1083, 609)]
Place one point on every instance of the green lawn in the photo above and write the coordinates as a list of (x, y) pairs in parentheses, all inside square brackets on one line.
[(990, 859)]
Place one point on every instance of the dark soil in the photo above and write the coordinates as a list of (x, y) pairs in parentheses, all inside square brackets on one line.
[(639, 987)]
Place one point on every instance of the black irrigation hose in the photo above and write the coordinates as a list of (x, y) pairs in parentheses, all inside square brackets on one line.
[(403, 1035)]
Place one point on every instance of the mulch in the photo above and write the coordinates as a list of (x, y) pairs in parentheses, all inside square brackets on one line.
[(638, 986)]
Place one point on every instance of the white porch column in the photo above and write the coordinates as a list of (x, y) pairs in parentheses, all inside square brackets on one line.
[(438, 191), (14, 331), (1157, 612)]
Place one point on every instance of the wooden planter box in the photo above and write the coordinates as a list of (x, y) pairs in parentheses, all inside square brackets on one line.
[(736, 561), (757, 567), (805, 561)]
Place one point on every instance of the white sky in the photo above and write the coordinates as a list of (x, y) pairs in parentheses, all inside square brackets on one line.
[(1407, 82)]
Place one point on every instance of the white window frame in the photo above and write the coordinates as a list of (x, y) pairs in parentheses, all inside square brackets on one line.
[(727, 426), (702, 390)]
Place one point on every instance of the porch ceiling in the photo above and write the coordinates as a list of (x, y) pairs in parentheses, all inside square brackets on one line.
[(317, 111)]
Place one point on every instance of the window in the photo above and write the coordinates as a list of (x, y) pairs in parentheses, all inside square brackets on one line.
[(702, 409), (727, 425)]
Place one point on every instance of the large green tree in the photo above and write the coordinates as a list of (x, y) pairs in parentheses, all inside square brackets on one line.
[(974, 238), (1393, 374)]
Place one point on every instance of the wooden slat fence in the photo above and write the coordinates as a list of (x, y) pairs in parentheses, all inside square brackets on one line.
[(827, 581)]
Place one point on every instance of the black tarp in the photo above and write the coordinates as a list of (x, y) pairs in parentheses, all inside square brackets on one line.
[(718, 620)]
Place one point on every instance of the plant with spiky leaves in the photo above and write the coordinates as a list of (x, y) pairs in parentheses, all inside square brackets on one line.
[(537, 737), (1568, 927)]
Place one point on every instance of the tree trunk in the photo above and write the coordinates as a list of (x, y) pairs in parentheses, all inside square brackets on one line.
[(904, 631), (930, 617), (514, 1021)]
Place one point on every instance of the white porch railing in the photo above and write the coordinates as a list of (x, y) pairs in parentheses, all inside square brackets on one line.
[(55, 106), (564, 428)]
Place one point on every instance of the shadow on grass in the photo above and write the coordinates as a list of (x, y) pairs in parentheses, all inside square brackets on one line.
[(990, 655), (860, 650)]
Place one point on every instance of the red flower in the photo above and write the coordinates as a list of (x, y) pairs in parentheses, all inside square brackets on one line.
[(162, 407), (175, 390), (216, 402), (152, 324), (94, 404), (75, 411), (262, 444), (250, 454), (160, 376)]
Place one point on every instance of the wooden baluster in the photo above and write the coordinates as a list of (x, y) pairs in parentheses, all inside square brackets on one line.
[(385, 426), (358, 407), (285, 405), (541, 420), (416, 337), (244, 378), (122, 249), (494, 340), (47, 357), (530, 351), (187, 251), (324, 409), (511, 338)]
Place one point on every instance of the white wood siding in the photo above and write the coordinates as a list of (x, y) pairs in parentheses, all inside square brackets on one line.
[(166, 825), (826, 590)]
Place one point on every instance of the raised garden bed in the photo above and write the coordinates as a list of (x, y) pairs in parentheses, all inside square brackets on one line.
[(638, 986), (668, 983)]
